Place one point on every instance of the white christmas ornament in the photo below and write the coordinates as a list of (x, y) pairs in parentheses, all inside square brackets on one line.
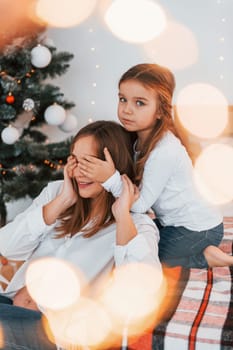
[(69, 124), (28, 104), (10, 135), (40, 56), (55, 114)]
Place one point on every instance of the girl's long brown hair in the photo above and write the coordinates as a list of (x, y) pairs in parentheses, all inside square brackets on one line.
[(113, 136), (162, 81)]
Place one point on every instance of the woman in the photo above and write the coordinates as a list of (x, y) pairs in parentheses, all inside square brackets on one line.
[(80, 222)]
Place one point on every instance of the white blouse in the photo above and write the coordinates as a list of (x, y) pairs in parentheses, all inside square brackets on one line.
[(168, 187), (27, 237)]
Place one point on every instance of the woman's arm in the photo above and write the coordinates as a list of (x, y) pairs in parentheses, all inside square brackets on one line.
[(136, 237), (21, 236), (126, 229)]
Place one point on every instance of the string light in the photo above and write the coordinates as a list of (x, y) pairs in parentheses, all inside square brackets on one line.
[(21, 169), (221, 38)]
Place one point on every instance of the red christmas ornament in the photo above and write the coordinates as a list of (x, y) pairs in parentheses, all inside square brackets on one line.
[(4, 261), (10, 99)]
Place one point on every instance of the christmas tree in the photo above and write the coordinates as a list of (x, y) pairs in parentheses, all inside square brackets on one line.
[(27, 102)]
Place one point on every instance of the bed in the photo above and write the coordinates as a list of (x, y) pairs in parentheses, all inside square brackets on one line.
[(197, 311)]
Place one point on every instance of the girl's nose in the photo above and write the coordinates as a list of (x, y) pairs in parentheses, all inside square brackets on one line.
[(127, 108)]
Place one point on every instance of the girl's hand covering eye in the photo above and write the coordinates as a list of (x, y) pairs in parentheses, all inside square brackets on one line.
[(96, 169)]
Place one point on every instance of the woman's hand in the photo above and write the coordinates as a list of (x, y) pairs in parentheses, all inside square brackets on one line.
[(126, 229), (97, 169), (128, 196), (23, 299), (68, 192), (66, 198)]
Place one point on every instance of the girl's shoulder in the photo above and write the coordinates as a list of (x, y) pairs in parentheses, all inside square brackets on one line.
[(169, 139), (169, 143), (169, 147)]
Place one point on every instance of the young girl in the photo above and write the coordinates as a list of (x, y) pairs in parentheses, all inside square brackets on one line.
[(190, 229), (78, 221)]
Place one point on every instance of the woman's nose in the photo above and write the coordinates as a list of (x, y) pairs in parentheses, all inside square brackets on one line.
[(77, 171)]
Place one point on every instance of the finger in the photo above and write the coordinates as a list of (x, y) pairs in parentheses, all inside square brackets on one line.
[(136, 192), (90, 160), (108, 157), (71, 158), (129, 183), (86, 169), (126, 184)]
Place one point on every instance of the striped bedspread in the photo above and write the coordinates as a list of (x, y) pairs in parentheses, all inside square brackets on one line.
[(197, 312)]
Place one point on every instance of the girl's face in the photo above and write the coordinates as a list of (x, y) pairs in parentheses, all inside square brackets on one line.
[(86, 145), (137, 107)]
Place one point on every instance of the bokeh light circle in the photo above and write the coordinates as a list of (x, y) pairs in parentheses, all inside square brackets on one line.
[(135, 21), (213, 173), (133, 295), (85, 323), (202, 110), (64, 13), (176, 47), (52, 283)]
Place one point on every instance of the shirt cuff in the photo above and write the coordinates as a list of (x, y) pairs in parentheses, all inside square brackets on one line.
[(36, 223), (136, 250), (113, 184)]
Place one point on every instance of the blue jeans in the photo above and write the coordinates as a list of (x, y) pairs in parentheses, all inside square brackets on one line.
[(179, 246), (22, 329)]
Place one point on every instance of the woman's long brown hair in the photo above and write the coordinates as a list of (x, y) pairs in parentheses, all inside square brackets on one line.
[(113, 136), (162, 81)]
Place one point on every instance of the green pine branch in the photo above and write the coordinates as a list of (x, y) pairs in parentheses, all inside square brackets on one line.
[(27, 165)]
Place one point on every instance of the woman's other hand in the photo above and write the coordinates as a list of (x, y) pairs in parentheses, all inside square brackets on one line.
[(128, 196), (126, 229)]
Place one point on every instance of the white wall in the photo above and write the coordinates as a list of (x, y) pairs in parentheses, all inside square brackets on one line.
[(209, 21)]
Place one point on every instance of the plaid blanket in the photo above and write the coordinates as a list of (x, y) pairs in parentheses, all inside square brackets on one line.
[(197, 312)]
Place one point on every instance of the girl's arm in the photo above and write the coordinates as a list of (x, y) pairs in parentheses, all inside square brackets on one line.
[(157, 170)]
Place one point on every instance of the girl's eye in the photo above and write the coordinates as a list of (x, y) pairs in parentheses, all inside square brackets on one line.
[(122, 99), (140, 103)]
